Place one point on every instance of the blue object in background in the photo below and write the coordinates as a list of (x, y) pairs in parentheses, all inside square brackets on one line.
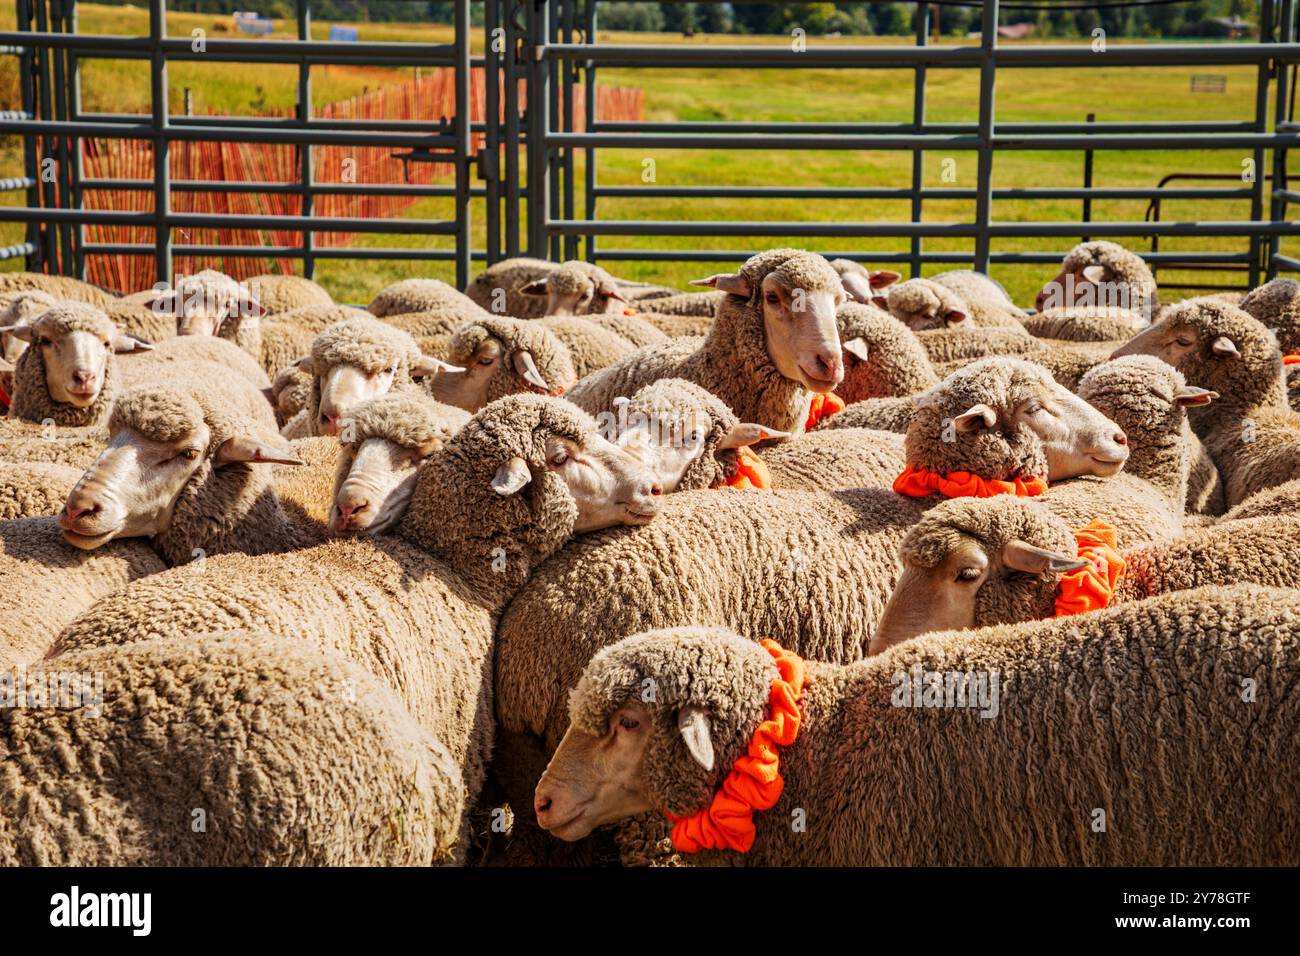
[(343, 34)]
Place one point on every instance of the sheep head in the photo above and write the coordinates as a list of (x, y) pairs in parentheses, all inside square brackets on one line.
[(20, 308), (162, 444), (971, 562), (1220, 347), (577, 288), (384, 442), (1101, 274), (882, 357), (656, 722), (860, 283), (208, 303), (1002, 418), (500, 356), (923, 305), (74, 342), (798, 293), (1277, 304), (359, 359)]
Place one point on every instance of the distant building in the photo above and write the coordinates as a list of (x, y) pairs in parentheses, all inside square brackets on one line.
[(1233, 26), (251, 22), (1016, 31)]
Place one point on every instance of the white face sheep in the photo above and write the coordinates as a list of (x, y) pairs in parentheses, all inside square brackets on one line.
[(499, 356), (204, 303), (922, 305), (66, 373), (132, 489), (882, 782), (578, 288), (1101, 274), (799, 325), (860, 283)]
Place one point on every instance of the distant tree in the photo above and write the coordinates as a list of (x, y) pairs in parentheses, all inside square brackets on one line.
[(635, 17), (679, 17), (715, 17)]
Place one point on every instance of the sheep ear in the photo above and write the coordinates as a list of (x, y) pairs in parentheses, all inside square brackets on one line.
[(954, 317), (427, 366), (1023, 556), (880, 302), (527, 369), (857, 286), (746, 433), (536, 287), (511, 476), (1190, 395), (857, 347), (733, 283), (6, 365), (305, 364), (975, 418), (1224, 346), (883, 278), (21, 332), (123, 343), (247, 449), (693, 724), (1094, 273), (615, 294)]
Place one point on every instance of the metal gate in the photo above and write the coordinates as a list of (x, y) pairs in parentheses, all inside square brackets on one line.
[(527, 143)]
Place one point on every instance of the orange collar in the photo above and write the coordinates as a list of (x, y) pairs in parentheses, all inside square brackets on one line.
[(921, 483), (1091, 587), (751, 471), (628, 310), (5, 400), (823, 406), (754, 782), (1291, 359)]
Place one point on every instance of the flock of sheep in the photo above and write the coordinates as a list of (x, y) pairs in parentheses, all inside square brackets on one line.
[(813, 566)]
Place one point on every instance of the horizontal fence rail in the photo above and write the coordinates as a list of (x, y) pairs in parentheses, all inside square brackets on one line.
[(509, 124)]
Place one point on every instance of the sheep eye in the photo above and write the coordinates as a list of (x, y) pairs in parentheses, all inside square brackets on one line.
[(487, 360), (629, 723), (189, 454), (968, 574), (559, 458), (772, 298), (1186, 341)]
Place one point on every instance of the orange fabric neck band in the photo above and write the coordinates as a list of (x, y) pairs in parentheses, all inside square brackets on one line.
[(921, 483), (1091, 587), (5, 400), (751, 471), (754, 782), (628, 310), (1291, 359), (823, 406)]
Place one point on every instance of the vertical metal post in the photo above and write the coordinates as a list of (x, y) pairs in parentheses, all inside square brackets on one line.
[(162, 173), (31, 163), (1087, 179), (60, 91), (539, 124), (306, 173), (78, 150), (1261, 126), (569, 72), (918, 121), (514, 205), (464, 159), (1277, 206), (491, 131), (984, 173), (554, 158), (589, 170), (46, 109)]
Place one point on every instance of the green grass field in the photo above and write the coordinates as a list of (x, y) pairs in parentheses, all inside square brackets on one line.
[(1113, 94)]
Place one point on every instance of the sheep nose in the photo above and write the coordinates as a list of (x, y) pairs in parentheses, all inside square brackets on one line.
[(79, 509), (329, 423), (349, 510), (656, 489), (1121, 438), (542, 804), (83, 377)]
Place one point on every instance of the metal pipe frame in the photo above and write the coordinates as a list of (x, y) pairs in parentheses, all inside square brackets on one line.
[(52, 124), (984, 138)]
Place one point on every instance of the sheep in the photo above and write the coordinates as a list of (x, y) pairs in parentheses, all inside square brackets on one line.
[(962, 301), (532, 288), (69, 375), (700, 305), (773, 347), (287, 336), (1148, 400), (860, 283), (973, 563), (1250, 432), (633, 328), (1102, 274), (211, 303), (285, 293), (882, 778), (688, 437), (30, 489), (1087, 324), (497, 356), (260, 735), (882, 357), (60, 287), (351, 361), (417, 606), (1280, 499), (806, 567), (179, 353), (140, 321), (1277, 305)]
